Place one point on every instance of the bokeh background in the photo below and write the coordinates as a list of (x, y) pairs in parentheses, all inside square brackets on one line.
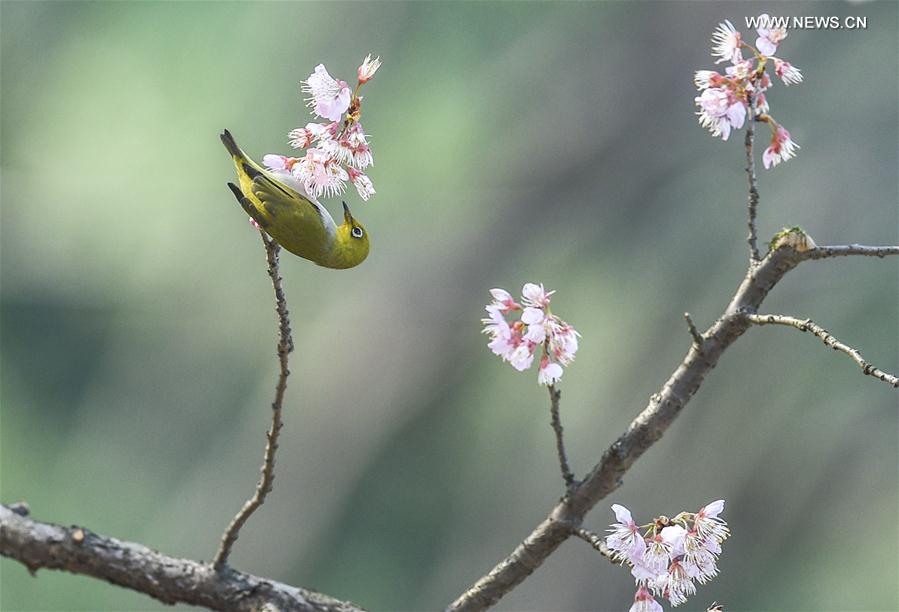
[(513, 142)]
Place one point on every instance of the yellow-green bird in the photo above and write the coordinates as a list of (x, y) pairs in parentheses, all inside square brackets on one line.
[(299, 224)]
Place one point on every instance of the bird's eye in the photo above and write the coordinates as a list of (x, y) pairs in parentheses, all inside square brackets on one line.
[(356, 232)]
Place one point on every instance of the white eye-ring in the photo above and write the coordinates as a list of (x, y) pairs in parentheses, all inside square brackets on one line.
[(356, 232)]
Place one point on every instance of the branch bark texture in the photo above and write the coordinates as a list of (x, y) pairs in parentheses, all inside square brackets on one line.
[(567, 516), (753, 201), (171, 580)]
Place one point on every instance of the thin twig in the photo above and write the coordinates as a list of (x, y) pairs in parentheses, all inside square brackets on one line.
[(807, 325), (554, 396), (694, 333), (38, 545), (753, 183), (285, 346), (844, 250), (596, 541)]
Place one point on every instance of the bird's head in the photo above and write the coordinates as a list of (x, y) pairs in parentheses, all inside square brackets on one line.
[(352, 241)]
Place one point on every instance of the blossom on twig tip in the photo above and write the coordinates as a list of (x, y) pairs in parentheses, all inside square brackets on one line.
[(368, 68), (726, 99), (517, 341), (336, 151), (667, 555)]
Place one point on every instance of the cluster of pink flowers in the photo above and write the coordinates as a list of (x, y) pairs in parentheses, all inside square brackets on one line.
[(337, 150), (726, 98), (517, 341), (667, 555)]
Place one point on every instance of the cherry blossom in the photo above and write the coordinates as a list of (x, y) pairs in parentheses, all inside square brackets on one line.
[(645, 602), (321, 133), (768, 38), (549, 372), (518, 341), (320, 174), (361, 182), (726, 99), (625, 537), (329, 97), (720, 111), (335, 151), (503, 300), (726, 43), (534, 295), (787, 72), (667, 555), (368, 68), (279, 162), (781, 148), (708, 524), (676, 585)]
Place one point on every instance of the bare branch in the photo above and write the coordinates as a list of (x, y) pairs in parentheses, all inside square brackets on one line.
[(694, 333), (285, 346), (649, 426), (554, 396), (596, 541), (752, 239), (171, 580), (844, 250), (807, 325)]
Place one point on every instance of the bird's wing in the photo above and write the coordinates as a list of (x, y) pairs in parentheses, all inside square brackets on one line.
[(280, 199)]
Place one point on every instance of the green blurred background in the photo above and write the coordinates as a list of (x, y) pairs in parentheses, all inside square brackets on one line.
[(513, 142)]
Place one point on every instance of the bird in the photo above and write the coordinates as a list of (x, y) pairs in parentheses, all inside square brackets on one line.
[(279, 205)]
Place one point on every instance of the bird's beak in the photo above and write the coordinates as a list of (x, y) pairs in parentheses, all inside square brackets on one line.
[(347, 215)]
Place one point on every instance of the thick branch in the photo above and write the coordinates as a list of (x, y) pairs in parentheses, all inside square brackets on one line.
[(285, 345), (554, 396), (663, 407), (807, 325), (753, 202), (134, 566)]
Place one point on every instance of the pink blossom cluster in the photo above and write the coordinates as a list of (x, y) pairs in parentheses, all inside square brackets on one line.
[(667, 555), (336, 150), (725, 99), (517, 341)]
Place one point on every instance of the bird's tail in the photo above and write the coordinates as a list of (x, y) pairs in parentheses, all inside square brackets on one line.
[(228, 141)]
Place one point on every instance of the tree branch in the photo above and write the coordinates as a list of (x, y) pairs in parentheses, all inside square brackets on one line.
[(824, 252), (285, 346), (649, 426), (807, 325), (171, 580), (753, 202), (596, 541), (554, 396)]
